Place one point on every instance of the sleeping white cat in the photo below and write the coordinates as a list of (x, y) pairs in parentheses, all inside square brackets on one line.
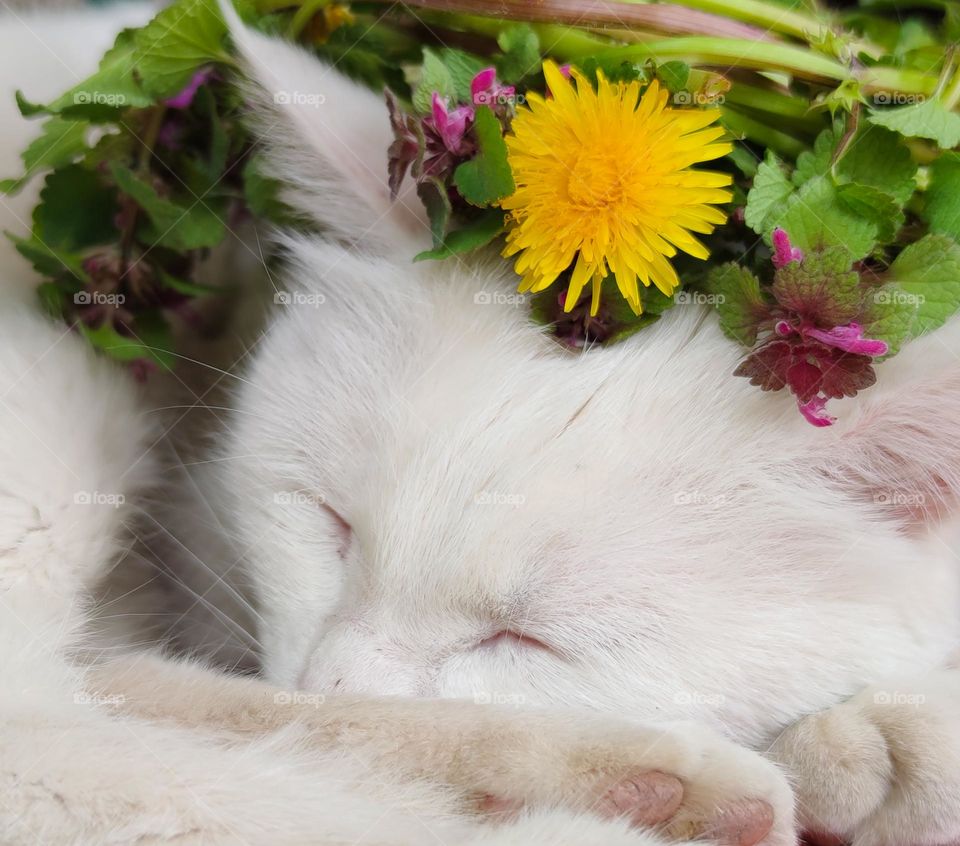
[(422, 495)]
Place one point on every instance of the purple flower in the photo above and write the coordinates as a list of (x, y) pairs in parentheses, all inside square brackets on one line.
[(450, 124), (850, 339), (184, 99), (486, 91), (815, 412), (783, 251)]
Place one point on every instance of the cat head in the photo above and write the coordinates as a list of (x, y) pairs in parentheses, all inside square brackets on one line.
[(434, 499)]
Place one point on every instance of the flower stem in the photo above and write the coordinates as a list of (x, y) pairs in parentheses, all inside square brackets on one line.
[(744, 126)]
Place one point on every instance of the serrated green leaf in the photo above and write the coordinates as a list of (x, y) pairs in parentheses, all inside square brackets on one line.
[(815, 162), (874, 205), (176, 43), (56, 221), (45, 260), (879, 158), (769, 192), (889, 317), (434, 77), (475, 234), (674, 75), (59, 143), (815, 217), (821, 289), (521, 52), (449, 73), (487, 177), (178, 227), (113, 87), (929, 119), (740, 303), (942, 207), (929, 271)]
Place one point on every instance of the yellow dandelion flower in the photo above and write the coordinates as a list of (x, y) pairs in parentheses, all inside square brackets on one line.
[(605, 185)]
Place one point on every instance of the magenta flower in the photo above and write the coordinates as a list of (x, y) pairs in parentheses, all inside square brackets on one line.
[(815, 412), (185, 97), (848, 338), (486, 91), (783, 251), (450, 124)]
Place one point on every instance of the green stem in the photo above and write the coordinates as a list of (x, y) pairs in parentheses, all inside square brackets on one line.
[(303, 16), (951, 94), (774, 18), (771, 102), (744, 126), (736, 53)]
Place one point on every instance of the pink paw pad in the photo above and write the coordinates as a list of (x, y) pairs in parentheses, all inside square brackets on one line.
[(743, 823), (646, 799)]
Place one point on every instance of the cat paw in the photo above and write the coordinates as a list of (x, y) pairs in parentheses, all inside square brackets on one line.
[(882, 769), (684, 780)]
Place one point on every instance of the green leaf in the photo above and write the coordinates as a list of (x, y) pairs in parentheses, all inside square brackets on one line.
[(929, 119), (942, 207), (152, 342), (434, 77), (521, 52), (45, 260), (740, 302), (475, 234), (674, 75), (816, 162), (487, 177), (178, 227), (183, 286), (879, 158), (770, 190), (182, 38), (816, 217), (448, 72), (56, 221), (874, 205), (262, 194), (822, 288), (112, 88), (889, 317), (433, 194), (929, 270), (28, 109), (59, 143)]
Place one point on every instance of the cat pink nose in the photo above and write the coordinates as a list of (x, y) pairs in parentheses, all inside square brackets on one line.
[(349, 661)]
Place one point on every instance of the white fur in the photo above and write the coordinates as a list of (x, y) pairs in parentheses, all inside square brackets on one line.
[(686, 546)]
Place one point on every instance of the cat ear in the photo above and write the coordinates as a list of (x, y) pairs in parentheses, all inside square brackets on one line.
[(326, 140), (900, 448)]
